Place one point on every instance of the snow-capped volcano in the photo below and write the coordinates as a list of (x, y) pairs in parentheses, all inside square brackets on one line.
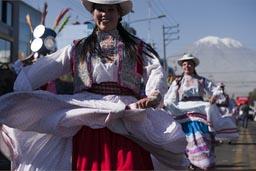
[(223, 60), (216, 41)]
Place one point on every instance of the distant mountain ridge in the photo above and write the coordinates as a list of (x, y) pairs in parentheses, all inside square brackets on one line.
[(223, 60)]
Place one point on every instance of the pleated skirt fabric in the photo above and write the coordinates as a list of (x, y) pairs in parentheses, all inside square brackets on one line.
[(200, 148), (101, 149)]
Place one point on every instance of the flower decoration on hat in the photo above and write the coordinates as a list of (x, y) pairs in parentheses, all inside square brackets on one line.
[(44, 38)]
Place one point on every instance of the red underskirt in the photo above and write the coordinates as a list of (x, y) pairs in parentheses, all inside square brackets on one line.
[(101, 149)]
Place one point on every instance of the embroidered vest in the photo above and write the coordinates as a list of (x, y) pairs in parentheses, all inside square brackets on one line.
[(200, 83), (130, 70)]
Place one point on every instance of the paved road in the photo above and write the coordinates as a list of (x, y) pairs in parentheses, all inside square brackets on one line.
[(240, 154)]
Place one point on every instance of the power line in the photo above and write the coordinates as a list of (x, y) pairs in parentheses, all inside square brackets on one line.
[(77, 8), (161, 7)]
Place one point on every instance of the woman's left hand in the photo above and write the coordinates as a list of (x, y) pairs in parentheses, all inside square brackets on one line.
[(151, 101), (145, 103), (213, 99)]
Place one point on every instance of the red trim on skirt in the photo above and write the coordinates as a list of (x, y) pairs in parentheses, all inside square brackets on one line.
[(101, 149)]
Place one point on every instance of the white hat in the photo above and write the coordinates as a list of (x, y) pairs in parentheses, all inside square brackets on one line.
[(126, 5), (188, 56)]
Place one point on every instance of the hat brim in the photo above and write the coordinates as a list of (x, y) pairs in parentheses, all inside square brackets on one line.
[(126, 5), (196, 60)]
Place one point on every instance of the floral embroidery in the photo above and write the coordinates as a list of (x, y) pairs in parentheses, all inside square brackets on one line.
[(112, 49), (108, 46)]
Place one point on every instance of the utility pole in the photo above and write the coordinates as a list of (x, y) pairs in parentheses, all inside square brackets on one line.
[(167, 33)]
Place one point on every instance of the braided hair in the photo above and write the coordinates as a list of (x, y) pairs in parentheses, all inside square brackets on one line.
[(91, 45)]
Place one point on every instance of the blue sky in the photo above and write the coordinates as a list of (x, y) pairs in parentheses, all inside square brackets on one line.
[(196, 18)]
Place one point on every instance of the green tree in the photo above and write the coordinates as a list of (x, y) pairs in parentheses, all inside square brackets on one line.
[(252, 96)]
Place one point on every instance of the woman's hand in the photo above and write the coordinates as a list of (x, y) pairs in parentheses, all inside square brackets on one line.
[(151, 101), (213, 99)]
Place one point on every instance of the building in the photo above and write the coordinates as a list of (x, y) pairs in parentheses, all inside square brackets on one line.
[(15, 34)]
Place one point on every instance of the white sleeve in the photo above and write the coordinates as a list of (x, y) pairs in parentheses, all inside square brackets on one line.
[(154, 77), (172, 95), (45, 69), (211, 88)]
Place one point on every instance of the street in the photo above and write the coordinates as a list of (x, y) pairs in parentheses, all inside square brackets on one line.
[(240, 154)]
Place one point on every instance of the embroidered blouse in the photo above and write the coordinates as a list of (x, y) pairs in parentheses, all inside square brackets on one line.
[(59, 63), (190, 87)]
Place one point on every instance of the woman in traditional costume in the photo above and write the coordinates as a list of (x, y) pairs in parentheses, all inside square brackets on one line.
[(105, 124), (200, 120)]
